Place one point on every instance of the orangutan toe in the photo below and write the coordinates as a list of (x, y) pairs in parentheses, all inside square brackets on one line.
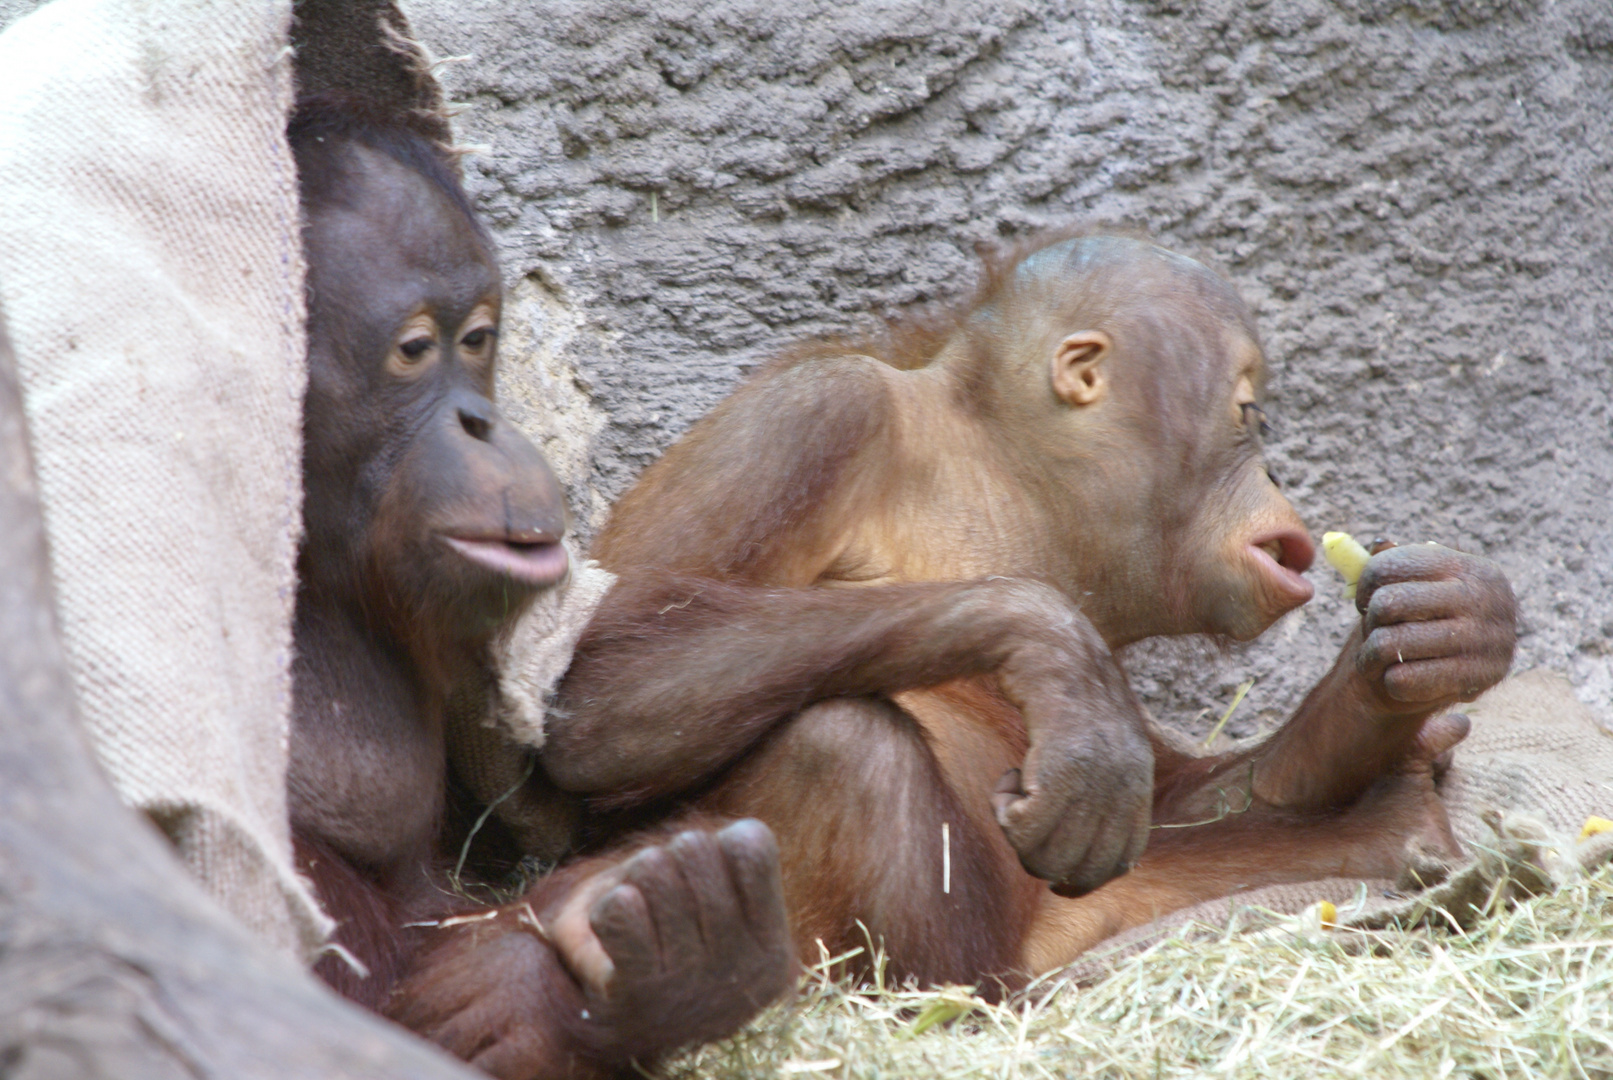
[(1436, 742)]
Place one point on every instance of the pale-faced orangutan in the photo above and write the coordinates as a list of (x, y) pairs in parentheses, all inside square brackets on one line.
[(873, 598), (431, 524)]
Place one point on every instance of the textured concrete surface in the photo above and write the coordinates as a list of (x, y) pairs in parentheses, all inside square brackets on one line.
[(1416, 195), (1417, 198)]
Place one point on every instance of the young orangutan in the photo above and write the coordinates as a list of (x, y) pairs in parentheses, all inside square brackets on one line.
[(872, 600), (431, 524)]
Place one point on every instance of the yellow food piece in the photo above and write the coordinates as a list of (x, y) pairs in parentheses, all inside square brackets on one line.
[(1348, 557), (1328, 914), (1595, 826)]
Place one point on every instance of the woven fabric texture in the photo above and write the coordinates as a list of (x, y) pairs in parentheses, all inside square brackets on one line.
[(152, 278), (492, 734)]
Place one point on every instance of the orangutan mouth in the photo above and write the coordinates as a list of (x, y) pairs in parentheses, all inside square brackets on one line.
[(540, 564)]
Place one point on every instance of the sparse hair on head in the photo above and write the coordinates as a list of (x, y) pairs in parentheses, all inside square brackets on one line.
[(1062, 279), (1151, 299), (1096, 277), (324, 121)]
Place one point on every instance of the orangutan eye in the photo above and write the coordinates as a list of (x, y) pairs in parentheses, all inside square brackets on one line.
[(1254, 418), (414, 347), (481, 334)]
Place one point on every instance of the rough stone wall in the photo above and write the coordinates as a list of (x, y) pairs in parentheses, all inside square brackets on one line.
[(1416, 197)]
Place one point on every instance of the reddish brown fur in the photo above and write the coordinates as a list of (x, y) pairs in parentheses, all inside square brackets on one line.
[(367, 917), (888, 782), (826, 619), (430, 525)]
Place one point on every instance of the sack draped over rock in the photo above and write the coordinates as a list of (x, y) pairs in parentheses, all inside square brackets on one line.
[(152, 278), (493, 731)]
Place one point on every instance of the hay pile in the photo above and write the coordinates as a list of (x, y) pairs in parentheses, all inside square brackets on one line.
[(1526, 992)]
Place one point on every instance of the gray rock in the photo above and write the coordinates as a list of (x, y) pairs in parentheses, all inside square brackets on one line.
[(1416, 197)]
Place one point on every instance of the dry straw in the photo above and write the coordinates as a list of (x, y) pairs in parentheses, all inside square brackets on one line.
[(1527, 992)]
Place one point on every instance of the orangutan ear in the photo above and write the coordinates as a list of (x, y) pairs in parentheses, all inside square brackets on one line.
[(1079, 377)]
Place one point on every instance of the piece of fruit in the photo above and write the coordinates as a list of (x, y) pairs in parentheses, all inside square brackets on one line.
[(1348, 557), (1595, 826)]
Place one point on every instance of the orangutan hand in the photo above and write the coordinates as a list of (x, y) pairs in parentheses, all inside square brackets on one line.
[(1438, 627)]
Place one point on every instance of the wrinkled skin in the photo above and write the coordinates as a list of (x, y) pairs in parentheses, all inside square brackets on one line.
[(431, 524), (700, 910), (870, 596), (1437, 628)]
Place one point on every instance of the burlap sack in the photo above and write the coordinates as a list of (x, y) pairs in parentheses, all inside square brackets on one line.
[(152, 277), (494, 730), (150, 262), (151, 270)]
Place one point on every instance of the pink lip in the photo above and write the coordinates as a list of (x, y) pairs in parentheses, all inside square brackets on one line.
[(539, 564), (1298, 554)]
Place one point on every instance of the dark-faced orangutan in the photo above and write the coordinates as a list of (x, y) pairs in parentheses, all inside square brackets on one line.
[(873, 599), (430, 525)]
